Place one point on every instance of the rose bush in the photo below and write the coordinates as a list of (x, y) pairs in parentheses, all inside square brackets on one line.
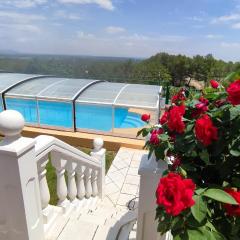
[(198, 196), (175, 193)]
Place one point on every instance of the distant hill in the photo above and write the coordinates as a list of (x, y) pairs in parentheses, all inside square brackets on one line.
[(8, 52), (159, 69)]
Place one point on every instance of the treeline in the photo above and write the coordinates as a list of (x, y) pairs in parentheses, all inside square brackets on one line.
[(159, 69)]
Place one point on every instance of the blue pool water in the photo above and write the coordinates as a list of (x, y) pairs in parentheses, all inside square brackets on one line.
[(60, 114)]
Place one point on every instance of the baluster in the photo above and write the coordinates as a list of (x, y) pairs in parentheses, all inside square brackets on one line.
[(99, 153), (72, 188), (80, 182), (43, 186), (94, 183), (44, 190), (60, 165), (88, 184)]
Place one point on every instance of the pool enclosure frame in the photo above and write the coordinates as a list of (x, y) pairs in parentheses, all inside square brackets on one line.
[(18, 81), (39, 98), (76, 98)]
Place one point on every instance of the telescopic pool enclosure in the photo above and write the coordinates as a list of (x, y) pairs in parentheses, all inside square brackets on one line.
[(79, 104)]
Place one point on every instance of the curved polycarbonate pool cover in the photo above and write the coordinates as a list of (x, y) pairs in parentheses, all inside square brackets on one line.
[(82, 90), (8, 80)]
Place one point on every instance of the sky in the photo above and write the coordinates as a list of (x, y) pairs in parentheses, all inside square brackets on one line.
[(121, 28)]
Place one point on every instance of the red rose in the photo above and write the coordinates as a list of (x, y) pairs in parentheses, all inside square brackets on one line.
[(176, 163), (205, 131), (234, 93), (175, 122), (175, 193), (154, 136), (214, 83), (179, 97), (201, 107), (233, 210), (145, 117), (203, 100), (172, 137), (164, 118), (220, 102)]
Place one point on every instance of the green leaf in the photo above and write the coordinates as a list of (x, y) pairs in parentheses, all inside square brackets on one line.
[(204, 156), (183, 172), (139, 132), (199, 191), (220, 196), (199, 209), (218, 236), (235, 153), (164, 137), (234, 112), (195, 234), (236, 181)]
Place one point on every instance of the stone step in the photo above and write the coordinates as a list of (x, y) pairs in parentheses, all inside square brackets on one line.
[(78, 230)]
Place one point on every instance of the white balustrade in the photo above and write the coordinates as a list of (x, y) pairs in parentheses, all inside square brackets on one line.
[(88, 182), (25, 212), (94, 183), (80, 182), (100, 154), (72, 187), (20, 205), (44, 190), (62, 191)]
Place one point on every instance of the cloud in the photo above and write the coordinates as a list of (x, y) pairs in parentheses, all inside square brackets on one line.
[(230, 44), (22, 3), (226, 18), (106, 4), (195, 19), (83, 35), (213, 36), (65, 15), (16, 17), (236, 25), (20, 28), (114, 29)]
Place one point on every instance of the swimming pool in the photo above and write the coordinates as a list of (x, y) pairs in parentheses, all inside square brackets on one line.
[(106, 118), (61, 114)]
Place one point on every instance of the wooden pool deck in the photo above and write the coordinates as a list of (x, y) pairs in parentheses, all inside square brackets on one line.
[(85, 139)]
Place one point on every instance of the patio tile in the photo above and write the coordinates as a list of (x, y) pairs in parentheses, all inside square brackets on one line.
[(135, 164), (111, 188), (129, 189), (124, 171), (133, 171), (132, 179), (114, 197), (120, 164), (124, 199), (108, 180), (112, 169), (116, 176)]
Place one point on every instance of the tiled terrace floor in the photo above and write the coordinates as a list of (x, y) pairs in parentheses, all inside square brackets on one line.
[(122, 180)]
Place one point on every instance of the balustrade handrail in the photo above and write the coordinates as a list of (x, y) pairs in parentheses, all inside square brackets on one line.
[(46, 144)]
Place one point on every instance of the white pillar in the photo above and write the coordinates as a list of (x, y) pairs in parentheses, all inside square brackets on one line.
[(150, 172), (72, 187), (88, 182), (100, 154), (80, 182), (94, 183), (60, 164), (44, 189), (20, 205)]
